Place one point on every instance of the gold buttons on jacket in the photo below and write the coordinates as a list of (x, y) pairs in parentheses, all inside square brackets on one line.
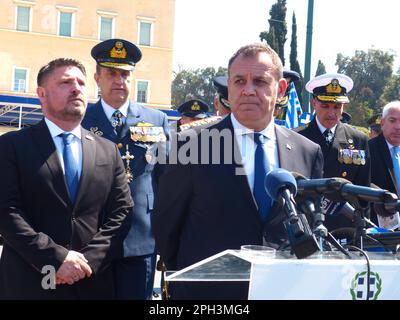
[(344, 174)]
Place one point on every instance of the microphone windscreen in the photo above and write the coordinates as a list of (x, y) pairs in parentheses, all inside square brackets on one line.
[(277, 179)]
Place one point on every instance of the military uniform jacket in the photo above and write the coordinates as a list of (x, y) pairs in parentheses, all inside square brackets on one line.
[(346, 138), (140, 240), (40, 223)]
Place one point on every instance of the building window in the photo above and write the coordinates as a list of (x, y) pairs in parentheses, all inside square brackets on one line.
[(145, 29), (65, 25), (23, 18), (142, 91), (106, 28), (20, 80)]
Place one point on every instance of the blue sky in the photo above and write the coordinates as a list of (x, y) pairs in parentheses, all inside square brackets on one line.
[(208, 32)]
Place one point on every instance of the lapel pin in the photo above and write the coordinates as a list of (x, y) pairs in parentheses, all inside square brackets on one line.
[(288, 146), (89, 137)]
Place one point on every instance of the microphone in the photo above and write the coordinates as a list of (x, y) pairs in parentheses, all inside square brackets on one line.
[(281, 186), (345, 209), (341, 190)]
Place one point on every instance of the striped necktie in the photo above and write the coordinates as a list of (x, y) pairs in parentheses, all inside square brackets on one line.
[(117, 122)]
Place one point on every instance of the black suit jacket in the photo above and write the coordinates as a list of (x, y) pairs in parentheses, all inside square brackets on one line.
[(40, 224), (382, 173), (203, 209)]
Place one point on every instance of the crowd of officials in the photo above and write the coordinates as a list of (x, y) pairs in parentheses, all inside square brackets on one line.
[(89, 196)]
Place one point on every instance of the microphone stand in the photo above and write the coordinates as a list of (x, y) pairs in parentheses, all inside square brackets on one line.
[(361, 227), (319, 228)]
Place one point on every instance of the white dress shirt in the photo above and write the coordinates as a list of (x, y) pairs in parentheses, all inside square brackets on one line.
[(109, 111), (247, 147), (76, 144), (322, 128)]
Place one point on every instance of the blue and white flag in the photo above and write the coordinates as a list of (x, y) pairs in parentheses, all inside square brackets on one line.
[(293, 109)]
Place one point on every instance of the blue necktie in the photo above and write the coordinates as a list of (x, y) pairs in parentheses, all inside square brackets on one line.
[(261, 168), (396, 165), (70, 166), (117, 122)]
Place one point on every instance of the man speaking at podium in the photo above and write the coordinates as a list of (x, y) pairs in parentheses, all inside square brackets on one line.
[(208, 206)]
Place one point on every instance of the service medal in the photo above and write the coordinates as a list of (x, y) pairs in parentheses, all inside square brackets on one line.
[(340, 155)]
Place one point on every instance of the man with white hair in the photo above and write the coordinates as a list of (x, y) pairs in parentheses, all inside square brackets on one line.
[(385, 151)]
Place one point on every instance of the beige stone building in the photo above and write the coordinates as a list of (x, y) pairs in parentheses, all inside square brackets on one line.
[(33, 32)]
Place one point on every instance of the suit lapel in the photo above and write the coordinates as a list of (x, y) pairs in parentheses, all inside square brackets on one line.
[(285, 149), (387, 159), (88, 163), (102, 123), (47, 149), (316, 135), (237, 166), (133, 118), (340, 139)]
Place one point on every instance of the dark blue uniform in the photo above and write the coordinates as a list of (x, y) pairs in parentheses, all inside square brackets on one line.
[(135, 272)]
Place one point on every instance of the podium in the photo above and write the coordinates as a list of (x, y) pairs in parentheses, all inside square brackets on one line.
[(324, 275)]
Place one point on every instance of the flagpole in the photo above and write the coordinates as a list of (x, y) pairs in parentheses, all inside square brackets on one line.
[(307, 65)]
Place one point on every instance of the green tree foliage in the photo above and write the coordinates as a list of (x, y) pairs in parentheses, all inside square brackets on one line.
[(294, 63), (370, 71), (192, 84), (391, 91), (320, 68), (276, 37)]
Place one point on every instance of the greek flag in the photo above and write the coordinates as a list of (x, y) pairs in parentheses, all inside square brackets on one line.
[(293, 109)]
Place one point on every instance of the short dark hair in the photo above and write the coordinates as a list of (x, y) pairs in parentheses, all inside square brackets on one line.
[(57, 63), (253, 49)]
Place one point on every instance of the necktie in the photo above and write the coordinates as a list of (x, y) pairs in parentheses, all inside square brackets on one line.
[(396, 165), (117, 122), (328, 135), (70, 166), (261, 167)]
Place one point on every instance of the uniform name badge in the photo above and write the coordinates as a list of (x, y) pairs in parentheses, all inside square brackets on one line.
[(147, 134)]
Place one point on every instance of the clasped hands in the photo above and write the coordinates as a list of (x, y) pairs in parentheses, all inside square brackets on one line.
[(74, 268)]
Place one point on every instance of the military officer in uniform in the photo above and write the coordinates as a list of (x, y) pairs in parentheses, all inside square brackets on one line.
[(193, 110), (280, 107), (141, 135), (194, 115), (345, 149), (221, 103), (374, 124)]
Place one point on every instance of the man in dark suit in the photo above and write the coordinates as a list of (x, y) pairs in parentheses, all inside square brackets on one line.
[(64, 199), (385, 151), (345, 149), (211, 202), (140, 133)]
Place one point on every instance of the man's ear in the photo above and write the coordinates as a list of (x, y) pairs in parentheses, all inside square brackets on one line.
[(96, 77), (41, 92), (313, 101), (281, 88)]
